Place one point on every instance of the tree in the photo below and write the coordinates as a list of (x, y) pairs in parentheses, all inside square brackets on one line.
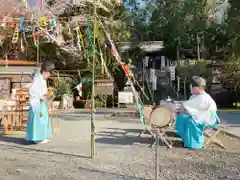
[(180, 24), (184, 26), (234, 27), (68, 15)]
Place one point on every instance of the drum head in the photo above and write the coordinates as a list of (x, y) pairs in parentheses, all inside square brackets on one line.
[(161, 117), (147, 111)]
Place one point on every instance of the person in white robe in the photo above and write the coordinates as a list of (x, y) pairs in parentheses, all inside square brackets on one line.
[(200, 112), (38, 125)]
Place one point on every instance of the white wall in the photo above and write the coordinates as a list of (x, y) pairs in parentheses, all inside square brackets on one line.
[(16, 69)]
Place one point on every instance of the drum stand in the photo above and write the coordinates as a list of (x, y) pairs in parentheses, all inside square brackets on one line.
[(158, 121), (163, 137), (161, 133), (147, 129)]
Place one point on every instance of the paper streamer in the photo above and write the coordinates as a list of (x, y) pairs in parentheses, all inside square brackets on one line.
[(89, 33), (15, 34), (129, 75), (3, 36), (35, 5), (21, 24), (43, 21), (80, 36), (35, 40), (41, 4), (78, 39), (25, 3)]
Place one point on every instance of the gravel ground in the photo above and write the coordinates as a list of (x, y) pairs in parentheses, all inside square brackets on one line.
[(120, 155)]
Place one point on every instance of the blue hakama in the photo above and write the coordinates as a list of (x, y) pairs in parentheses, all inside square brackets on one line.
[(38, 128), (191, 133)]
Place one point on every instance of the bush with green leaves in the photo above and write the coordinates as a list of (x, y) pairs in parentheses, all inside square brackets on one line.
[(62, 87), (187, 71), (230, 77)]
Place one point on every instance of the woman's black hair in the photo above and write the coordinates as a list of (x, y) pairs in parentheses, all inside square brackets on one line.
[(47, 66)]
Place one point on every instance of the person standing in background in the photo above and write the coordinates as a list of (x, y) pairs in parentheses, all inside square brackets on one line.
[(39, 128)]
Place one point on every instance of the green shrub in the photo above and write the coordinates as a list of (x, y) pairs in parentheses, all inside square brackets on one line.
[(187, 71), (61, 87)]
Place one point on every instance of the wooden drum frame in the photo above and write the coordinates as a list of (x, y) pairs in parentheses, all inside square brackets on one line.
[(158, 120)]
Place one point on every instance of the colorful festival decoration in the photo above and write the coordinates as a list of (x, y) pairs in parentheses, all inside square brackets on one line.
[(28, 29), (46, 26), (21, 24), (52, 20), (3, 36), (25, 3), (89, 33), (129, 75), (43, 21), (35, 39), (15, 34), (41, 4), (80, 37), (34, 5)]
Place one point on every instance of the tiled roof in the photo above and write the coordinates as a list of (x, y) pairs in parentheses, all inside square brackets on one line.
[(18, 62)]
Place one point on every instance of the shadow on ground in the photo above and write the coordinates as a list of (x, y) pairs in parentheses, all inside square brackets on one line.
[(15, 140), (21, 143), (116, 136), (72, 117), (111, 173), (33, 147)]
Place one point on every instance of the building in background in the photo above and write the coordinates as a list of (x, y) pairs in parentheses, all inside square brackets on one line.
[(14, 74), (153, 70)]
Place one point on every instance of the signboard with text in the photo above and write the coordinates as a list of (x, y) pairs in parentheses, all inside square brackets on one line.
[(125, 97)]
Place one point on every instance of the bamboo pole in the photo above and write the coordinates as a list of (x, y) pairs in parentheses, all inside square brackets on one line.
[(38, 58), (156, 157), (93, 88)]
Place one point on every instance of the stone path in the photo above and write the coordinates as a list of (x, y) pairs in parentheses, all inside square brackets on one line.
[(230, 119), (120, 155)]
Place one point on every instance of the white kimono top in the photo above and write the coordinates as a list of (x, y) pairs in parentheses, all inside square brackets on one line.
[(37, 91), (202, 108)]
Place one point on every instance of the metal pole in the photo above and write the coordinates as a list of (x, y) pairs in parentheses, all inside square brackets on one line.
[(156, 158), (93, 88)]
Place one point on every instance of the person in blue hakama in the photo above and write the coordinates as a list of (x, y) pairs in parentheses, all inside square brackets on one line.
[(38, 125), (200, 111)]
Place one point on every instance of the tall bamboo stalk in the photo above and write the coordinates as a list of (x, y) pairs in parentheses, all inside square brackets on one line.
[(93, 86), (38, 58)]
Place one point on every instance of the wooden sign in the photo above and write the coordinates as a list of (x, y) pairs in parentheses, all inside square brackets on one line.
[(104, 87)]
